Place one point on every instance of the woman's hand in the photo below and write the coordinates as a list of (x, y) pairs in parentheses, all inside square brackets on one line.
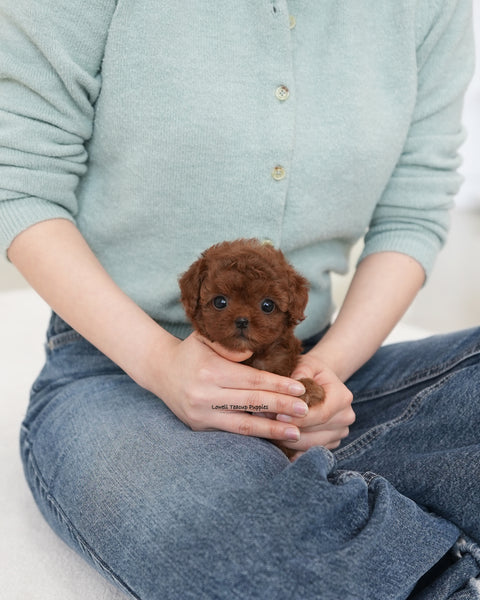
[(383, 287), (192, 378), (327, 423), (203, 384)]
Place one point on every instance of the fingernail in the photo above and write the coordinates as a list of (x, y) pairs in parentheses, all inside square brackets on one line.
[(284, 418), (300, 409), (296, 389), (292, 433)]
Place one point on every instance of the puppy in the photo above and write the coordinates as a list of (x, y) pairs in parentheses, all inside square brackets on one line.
[(245, 295)]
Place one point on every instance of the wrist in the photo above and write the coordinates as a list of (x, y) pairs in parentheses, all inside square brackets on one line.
[(150, 364), (331, 354)]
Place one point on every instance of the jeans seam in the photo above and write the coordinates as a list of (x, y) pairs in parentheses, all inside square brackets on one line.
[(371, 435), (419, 377), (61, 339), (61, 516), (467, 546), (369, 476)]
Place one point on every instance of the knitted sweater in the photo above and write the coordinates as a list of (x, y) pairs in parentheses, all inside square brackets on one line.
[(160, 128)]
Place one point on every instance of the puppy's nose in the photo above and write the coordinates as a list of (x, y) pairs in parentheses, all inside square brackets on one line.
[(241, 323)]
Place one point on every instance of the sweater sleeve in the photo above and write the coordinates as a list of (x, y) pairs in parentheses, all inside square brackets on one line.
[(412, 216), (50, 57)]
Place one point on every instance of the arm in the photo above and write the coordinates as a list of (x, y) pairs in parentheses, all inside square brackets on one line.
[(382, 289), (188, 376)]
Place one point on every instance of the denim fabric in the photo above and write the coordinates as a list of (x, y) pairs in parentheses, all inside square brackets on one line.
[(167, 513)]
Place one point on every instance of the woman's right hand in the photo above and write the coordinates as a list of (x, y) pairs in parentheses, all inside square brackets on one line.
[(192, 376), (203, 384)]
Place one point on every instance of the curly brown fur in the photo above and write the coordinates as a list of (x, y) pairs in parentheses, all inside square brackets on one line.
[(246, 296)]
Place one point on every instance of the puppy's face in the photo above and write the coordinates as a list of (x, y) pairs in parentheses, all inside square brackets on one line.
[(243, 295), (240, 310)]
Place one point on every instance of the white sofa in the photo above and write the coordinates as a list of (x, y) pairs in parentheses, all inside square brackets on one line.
[(34, 563)]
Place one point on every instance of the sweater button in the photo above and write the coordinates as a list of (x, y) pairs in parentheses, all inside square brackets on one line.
[(282, 92), (278, 173)]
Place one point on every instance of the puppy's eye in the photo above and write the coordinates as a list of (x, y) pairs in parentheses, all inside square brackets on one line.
[(267, 305), (220, 302)]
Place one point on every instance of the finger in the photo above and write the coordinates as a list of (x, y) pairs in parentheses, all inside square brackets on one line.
[(258, 401), (342, 419), (305, 369), (330, 439), (312, 422), (302, 373), (247, 378), (233, 355), (247, 424)]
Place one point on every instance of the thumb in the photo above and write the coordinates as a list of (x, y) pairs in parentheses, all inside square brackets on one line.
[(233, 355), (302, 371)]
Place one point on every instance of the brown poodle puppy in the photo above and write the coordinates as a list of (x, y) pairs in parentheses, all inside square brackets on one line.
[(246, 296)]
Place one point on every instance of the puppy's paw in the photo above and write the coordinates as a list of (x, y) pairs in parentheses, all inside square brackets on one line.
[(289, 453), (314, 393)]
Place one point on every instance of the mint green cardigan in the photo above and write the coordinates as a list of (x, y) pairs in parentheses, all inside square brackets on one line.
[(160, 128)]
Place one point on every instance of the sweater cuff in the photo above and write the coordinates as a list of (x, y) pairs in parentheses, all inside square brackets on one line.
[(19, 214), (411, 243)]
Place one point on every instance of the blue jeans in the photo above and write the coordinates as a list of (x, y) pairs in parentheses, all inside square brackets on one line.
[(167, 513)]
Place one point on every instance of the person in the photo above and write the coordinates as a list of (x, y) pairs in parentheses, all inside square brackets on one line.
[(136, 134)]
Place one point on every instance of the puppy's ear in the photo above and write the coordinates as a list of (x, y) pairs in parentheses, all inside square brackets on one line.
[(298, 296), (190, 284)]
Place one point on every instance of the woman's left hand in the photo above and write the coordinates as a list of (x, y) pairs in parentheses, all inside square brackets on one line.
[(327, 423)]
